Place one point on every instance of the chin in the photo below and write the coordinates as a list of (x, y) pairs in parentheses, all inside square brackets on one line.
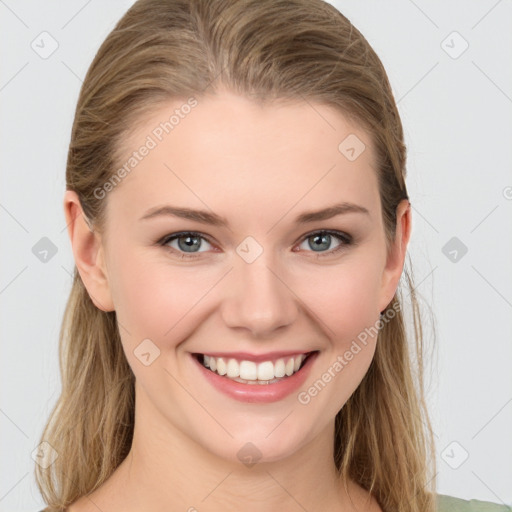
[(256, 443)]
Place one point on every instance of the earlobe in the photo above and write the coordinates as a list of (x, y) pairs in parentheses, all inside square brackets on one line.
[(88, 253), (397, 252)]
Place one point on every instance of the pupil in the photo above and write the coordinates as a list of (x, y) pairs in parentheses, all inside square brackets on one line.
[(190, 242), (324, 240), (320, 242)]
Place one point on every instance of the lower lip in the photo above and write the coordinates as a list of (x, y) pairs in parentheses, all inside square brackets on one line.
[(258, 393)]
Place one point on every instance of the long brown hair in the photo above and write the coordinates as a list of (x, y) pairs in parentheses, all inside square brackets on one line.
[(266, 50)]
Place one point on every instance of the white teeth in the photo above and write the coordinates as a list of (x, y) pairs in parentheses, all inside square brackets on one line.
[(279, 368), (248, 370), (266, 371), (222, 367), (289, 367), (233, 368), (251, 371)]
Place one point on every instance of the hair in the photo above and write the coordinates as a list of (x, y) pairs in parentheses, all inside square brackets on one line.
[(266, 50)]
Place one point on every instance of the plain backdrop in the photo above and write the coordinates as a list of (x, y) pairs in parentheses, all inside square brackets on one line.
[(449, 66)]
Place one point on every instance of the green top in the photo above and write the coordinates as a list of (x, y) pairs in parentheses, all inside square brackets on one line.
[(451, 504)]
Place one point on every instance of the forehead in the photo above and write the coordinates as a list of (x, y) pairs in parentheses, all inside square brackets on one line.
[(228, 150)]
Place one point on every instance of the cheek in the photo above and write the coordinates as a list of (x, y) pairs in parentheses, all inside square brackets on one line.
[(166, 301), (346, 301), (158, 301), (345, 297)]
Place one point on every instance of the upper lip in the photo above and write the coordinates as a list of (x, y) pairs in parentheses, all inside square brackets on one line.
[(246, 356)]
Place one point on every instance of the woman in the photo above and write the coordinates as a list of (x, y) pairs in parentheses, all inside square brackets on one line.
[(239, 218)]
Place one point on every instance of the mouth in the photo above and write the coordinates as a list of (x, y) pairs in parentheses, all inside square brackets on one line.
[(248, 371)]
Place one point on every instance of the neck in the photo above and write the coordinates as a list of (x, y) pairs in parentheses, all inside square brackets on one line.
[(166, 470)]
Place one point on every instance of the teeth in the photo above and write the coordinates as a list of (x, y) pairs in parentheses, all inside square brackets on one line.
[(222, 367), (289, 367), (251, 371), (248, 370), (233, 368), (279, 368), (265, 371)]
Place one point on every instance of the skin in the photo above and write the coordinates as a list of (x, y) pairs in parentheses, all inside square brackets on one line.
[(259, 167)]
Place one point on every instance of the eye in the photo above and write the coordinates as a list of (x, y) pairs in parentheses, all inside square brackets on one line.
[(320, 240), (187, 243)]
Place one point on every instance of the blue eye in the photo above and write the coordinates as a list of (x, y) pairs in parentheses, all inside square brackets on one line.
[(189, 241), (322, 240)]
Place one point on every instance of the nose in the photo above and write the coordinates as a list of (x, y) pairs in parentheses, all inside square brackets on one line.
[(258, 299)]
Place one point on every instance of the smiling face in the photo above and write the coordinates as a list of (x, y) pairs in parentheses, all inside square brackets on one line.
[(253, 278)]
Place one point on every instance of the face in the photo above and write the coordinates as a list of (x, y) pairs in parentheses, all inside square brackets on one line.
[(255, 281)]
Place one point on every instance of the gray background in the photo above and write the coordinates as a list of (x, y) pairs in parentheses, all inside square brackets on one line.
[(456, 107)]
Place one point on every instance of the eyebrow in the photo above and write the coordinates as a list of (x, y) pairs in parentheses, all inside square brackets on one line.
[(216, 220)]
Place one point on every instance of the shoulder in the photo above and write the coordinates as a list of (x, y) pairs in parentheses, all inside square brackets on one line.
[(451, 504)]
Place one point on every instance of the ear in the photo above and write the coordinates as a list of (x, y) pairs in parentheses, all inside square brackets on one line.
[(88, 253), (396, 254)]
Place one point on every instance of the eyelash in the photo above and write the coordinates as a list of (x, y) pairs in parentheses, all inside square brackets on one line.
[(344, 238)]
